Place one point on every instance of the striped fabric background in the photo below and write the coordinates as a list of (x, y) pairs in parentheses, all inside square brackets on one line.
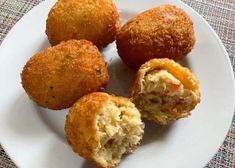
[(219, 13)]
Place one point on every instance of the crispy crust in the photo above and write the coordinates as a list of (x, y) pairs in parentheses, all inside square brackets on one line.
[(183, 74), (162, 32), (56, 77), (80, 125), (96, 21)]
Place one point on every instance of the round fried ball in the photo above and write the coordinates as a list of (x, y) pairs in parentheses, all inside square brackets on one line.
[(56, 77), (101, 128), (163, 32), (165, 91), (96, 21)]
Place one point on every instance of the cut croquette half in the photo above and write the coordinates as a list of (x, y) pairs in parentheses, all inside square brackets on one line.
[(101, 128), (165, 91)]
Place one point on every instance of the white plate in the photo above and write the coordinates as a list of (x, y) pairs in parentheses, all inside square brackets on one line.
[(33, 136)]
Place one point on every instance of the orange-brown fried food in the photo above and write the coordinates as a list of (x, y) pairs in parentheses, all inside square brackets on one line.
[(165, 91), (163, 32), (56, 77), (96, 21), (102, 128)]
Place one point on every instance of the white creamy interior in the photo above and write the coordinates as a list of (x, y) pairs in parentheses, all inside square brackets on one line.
[(120, 129), (163, 95)]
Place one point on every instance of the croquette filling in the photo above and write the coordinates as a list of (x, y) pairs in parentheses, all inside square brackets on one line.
[(119, 131), (163, 97)]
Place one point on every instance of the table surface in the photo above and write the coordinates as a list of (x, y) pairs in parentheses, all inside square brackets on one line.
[(219, 13)]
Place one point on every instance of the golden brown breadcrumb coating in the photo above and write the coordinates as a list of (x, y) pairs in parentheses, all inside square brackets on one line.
[(93, 20), (162, 32), (56, 77), (165, 91), (101, 128)]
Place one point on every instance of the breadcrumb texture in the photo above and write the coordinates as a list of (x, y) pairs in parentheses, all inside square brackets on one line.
[(93, 20), (101, 128), (162, 32), (56, 77), (165, 91)]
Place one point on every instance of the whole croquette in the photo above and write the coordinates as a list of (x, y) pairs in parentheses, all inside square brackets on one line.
[(101, 128), (165, 91), (56, 77), (93, 20), (162, 32)]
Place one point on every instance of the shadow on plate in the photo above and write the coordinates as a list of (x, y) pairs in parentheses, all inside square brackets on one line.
[(184, 62), (121, 78), (88, 164), (45, 44), (53, 119), (154, 132), (126, 15)]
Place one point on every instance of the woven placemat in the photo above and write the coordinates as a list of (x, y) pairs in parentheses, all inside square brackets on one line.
[(219, 13)]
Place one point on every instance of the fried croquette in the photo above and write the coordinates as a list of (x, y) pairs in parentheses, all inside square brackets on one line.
[(101, 128), (162, 32), (56, 77), (96, 21), (165, 91)]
